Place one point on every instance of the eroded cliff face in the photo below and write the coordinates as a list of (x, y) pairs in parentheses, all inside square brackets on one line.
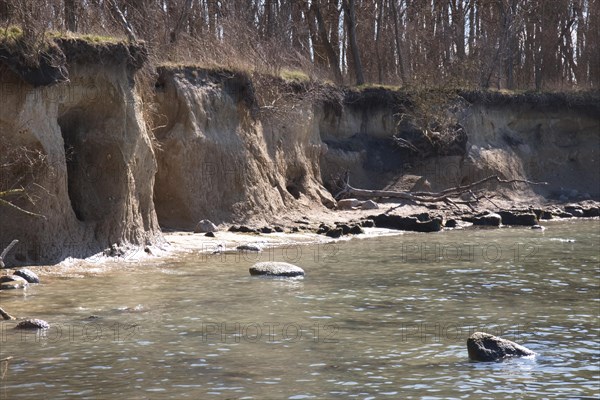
[(551, 141), (79, 146), (81, 151), (222, 159)]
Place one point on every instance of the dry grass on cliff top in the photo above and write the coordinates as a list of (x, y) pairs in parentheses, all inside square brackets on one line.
[(14, 34)]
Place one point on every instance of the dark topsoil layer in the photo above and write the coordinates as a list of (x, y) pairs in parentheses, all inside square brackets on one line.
[(46, 63), (50, 66)]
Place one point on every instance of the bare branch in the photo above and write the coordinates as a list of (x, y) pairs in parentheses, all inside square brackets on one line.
[(428, 197)]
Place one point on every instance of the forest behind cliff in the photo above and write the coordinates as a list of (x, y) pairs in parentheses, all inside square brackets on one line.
[(502, 44)]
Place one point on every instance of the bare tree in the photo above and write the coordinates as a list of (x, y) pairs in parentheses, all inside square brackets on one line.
[(350, 17)]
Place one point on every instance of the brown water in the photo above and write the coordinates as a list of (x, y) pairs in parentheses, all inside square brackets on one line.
[(381, 318)]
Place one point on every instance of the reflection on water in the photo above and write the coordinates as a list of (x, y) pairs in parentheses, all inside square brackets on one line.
[(377, 318)]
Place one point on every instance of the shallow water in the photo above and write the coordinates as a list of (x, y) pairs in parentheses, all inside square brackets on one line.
[(375, 318)]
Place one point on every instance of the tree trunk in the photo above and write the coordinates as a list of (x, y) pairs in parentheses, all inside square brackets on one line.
[(350, 16), (332, 56), (70, 15), (122, 20), (181, 21), (399, 52)]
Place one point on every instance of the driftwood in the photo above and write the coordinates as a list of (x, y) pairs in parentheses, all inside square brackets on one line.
[(5, 252), (4, 366), (429, 197), (5, 315)]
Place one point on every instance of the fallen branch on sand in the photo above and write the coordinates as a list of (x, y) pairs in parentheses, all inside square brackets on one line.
[(429, 197)]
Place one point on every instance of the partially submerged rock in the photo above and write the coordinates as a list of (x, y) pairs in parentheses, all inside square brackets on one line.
[(8, 282), (33, 324), (451, 223), (591, 212), (249, 247), (272, 268), (242, 229), (13, 285), (356, 230), (12, 278), (28, 275), (518, 218), (485, 347), (368, 223), (335, 233), (485, 219), (575, 210), (417, 224)]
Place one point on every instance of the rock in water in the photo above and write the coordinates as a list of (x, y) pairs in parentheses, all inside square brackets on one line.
[(33, 324), (205, 226), (28, 275), (422, 223), (13, 285), (485, 219), (368, 223), (12, 278), (518, 218), (8, 282), (356, 230), (249, 247), (335, 233), (276, 269), (485, 347), (451, 223)]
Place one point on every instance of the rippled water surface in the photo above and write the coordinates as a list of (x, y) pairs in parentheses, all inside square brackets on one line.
[(381, 318)]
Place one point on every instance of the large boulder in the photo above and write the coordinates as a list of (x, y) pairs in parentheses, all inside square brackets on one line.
[(415, 224), (205, 225), (485, 347), (518, 218), (272, 268)]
